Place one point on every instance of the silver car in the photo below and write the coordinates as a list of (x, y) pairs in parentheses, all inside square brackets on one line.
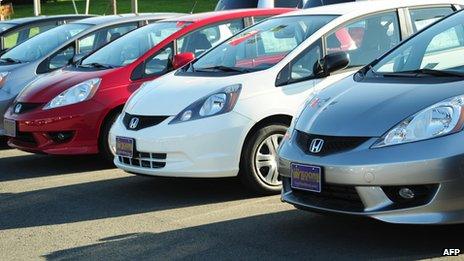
[(57, 48), (386, 143)]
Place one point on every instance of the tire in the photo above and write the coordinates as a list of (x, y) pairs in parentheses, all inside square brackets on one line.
[(257, 160), (104, 147)]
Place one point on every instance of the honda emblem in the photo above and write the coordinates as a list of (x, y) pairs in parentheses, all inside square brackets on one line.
[(134, 122), (316, 145)]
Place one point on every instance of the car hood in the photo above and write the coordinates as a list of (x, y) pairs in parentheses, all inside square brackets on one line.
[(48, 86), (9, 67), (370, 109), (172, 93)]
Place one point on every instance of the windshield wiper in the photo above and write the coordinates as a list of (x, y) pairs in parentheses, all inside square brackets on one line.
[(421, 72), (222, 68), (98, 65), (10, 60)]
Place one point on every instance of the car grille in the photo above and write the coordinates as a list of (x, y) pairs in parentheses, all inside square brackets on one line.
[(336, 197), (143, 121), (25, 107), (332, 144), (145, 160)]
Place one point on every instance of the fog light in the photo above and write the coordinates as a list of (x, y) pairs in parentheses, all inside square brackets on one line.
[(406, 193)]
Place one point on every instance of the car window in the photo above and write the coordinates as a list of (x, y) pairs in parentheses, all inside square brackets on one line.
[(302, 67), (160, 63), (62, 58), (365, 39), (203, 39), (286, 3), (103, 36), (422, 17)]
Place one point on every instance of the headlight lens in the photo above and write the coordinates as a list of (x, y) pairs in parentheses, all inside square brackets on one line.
[(78, 93), (3, 76), (441, 119), (220, 102)]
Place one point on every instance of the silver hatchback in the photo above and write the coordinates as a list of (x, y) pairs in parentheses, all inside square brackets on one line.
[(386, 143)]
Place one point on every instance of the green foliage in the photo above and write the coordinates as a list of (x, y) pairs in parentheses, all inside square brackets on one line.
[(101, 7)]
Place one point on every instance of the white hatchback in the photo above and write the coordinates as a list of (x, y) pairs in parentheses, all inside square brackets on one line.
[(225, 113)]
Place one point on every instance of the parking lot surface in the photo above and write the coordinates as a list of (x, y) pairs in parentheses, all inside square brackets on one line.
[(78, 208)]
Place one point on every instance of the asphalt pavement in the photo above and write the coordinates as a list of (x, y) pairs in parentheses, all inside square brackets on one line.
[(61, 208)]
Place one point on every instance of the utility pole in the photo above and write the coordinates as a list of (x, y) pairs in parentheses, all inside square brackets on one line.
[(37, 8), (114, 7), (87, 6), (135, 6)]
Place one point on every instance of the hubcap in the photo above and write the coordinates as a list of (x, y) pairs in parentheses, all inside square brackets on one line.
[(266, 160)]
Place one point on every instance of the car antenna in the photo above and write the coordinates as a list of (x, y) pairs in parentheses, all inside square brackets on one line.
[(193, 7)]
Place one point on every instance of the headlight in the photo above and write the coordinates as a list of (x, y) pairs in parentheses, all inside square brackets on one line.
[(3, 76), (220, 102), (441, 119), (78, 93)]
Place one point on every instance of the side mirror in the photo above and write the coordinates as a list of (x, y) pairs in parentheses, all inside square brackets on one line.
[(182, 59), (331, 63)]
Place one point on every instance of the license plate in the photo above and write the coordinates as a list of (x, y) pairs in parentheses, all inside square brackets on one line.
[(10, 127), (306, 177), (125, 147)]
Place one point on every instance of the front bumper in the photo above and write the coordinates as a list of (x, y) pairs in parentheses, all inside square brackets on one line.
[(204, 148), (366, 178), (38, 129)]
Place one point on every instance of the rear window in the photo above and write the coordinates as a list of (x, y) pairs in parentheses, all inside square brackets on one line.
[(236, 4)]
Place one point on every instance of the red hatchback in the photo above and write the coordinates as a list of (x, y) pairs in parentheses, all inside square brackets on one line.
[(70, 111)]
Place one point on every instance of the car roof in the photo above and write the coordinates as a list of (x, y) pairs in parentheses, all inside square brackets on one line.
[(121, 18), (219, 15), (365, 7), (44, 18)]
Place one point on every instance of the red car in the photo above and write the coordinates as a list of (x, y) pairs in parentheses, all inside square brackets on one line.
[(70, 111)]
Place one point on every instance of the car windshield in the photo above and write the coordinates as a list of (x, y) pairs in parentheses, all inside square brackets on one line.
[(42, 44), (131, 46), (5, 26), (436, 52), (262, 46)]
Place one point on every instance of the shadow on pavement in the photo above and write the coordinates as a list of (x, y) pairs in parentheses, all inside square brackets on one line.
[(278, 236), (112, 198), (34, 165), (3, 143)]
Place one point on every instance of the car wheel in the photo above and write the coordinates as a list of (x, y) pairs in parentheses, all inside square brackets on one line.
[(258, 166), (106, 151)]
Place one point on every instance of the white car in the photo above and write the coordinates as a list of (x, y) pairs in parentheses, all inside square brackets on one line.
[(225, 114)]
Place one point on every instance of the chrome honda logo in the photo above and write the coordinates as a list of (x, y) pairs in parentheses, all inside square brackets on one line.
[(316, 145), (134, 122), (18, 108)]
